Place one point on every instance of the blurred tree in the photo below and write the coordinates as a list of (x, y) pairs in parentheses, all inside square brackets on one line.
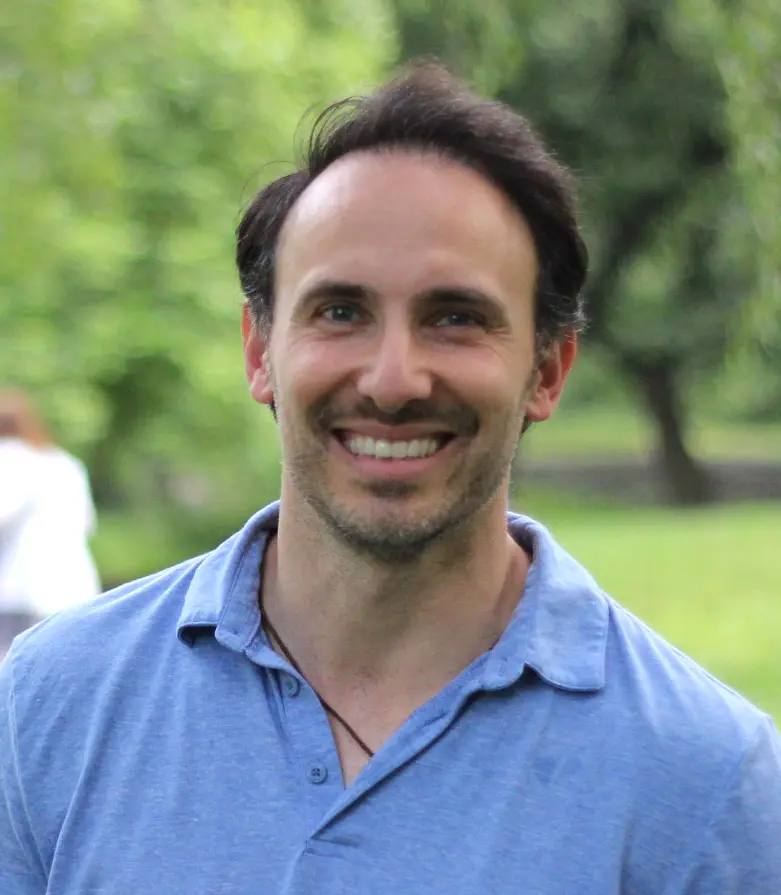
[(746, 38), (131, 134), (633, 102)]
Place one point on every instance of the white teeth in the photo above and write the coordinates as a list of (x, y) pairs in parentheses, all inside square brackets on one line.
[(383, 449), (363, 446)]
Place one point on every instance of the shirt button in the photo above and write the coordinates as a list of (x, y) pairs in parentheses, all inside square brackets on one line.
[(317, 773), (291, 685)]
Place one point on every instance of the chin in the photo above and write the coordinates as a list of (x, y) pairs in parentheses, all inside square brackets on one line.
[(388, 545), (388, 530)]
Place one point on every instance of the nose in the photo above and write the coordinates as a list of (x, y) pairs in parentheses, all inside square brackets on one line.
[(396, 373)]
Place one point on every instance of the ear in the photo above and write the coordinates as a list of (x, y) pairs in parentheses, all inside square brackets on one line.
[(552, 371), (256, 366)]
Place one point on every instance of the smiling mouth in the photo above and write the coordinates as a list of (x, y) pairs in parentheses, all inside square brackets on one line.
[(384, 449)]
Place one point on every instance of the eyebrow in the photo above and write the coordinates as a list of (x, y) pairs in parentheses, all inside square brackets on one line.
[(466, 297), (335, 289)]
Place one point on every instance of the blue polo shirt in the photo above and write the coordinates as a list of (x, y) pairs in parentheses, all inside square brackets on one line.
[(152, 743)]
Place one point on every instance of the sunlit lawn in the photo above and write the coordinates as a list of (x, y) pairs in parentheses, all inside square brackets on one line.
[(708, 580)]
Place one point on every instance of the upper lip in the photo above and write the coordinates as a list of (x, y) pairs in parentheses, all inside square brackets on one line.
[(379, 432)]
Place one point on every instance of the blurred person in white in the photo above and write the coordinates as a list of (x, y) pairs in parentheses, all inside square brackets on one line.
[(46, 517)]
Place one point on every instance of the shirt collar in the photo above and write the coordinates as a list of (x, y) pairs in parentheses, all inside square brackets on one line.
[(222, 595), (559, 628)]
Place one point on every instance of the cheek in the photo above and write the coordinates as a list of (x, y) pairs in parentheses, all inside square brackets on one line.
[(490, 380), (310, 369)]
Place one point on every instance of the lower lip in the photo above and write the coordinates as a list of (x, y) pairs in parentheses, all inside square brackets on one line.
[(393, 468)]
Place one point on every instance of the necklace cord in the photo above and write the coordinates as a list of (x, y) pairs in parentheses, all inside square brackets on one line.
[(272, 632)]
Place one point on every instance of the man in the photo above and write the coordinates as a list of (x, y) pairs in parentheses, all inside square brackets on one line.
[(385, 683)]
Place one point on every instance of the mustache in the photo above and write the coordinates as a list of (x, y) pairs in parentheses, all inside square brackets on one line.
[(459, 419)]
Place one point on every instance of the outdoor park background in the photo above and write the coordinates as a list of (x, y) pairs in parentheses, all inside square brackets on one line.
[(132, 134)]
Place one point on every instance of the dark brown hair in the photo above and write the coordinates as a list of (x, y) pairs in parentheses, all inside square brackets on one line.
[(426, 108)]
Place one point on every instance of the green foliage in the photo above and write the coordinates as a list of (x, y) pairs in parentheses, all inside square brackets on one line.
[(132, 134), (637, 109), (634, 100), (745, 38)]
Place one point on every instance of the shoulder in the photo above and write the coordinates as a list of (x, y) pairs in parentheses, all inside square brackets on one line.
[(126, 633), (71, 680), (11, 447), (76, 647), (707, 763), (64, 465), (129, 633), (653, 690), (691, 722), (16, 455), (76, 681)]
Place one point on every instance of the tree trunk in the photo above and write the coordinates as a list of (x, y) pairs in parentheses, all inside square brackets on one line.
[(686, 482)]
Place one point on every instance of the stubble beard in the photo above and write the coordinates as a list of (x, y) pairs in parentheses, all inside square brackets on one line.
[(399, 534)]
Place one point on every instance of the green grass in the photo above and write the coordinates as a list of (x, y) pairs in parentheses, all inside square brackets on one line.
[(708, 580)]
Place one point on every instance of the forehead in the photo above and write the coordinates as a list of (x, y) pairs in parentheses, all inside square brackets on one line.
[(393, 215)]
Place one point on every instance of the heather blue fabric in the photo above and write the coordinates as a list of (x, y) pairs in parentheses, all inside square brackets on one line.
[(152, 744)]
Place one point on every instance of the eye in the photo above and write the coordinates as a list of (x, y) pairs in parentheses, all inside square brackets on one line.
[(459, 319), (340, 314)]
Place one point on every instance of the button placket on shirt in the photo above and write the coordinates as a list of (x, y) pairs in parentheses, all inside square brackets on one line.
[(312, 743), (317, 772), (290, 685)]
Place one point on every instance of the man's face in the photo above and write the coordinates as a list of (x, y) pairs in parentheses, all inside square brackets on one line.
[(401, 360)]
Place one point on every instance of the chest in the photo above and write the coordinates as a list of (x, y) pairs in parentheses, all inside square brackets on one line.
[(241, 830), (246, 795)]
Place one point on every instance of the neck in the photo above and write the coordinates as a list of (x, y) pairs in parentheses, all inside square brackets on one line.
[(355, 624)]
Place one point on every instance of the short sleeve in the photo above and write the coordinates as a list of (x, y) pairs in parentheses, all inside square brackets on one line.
[(741, 853), (21, 872)]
